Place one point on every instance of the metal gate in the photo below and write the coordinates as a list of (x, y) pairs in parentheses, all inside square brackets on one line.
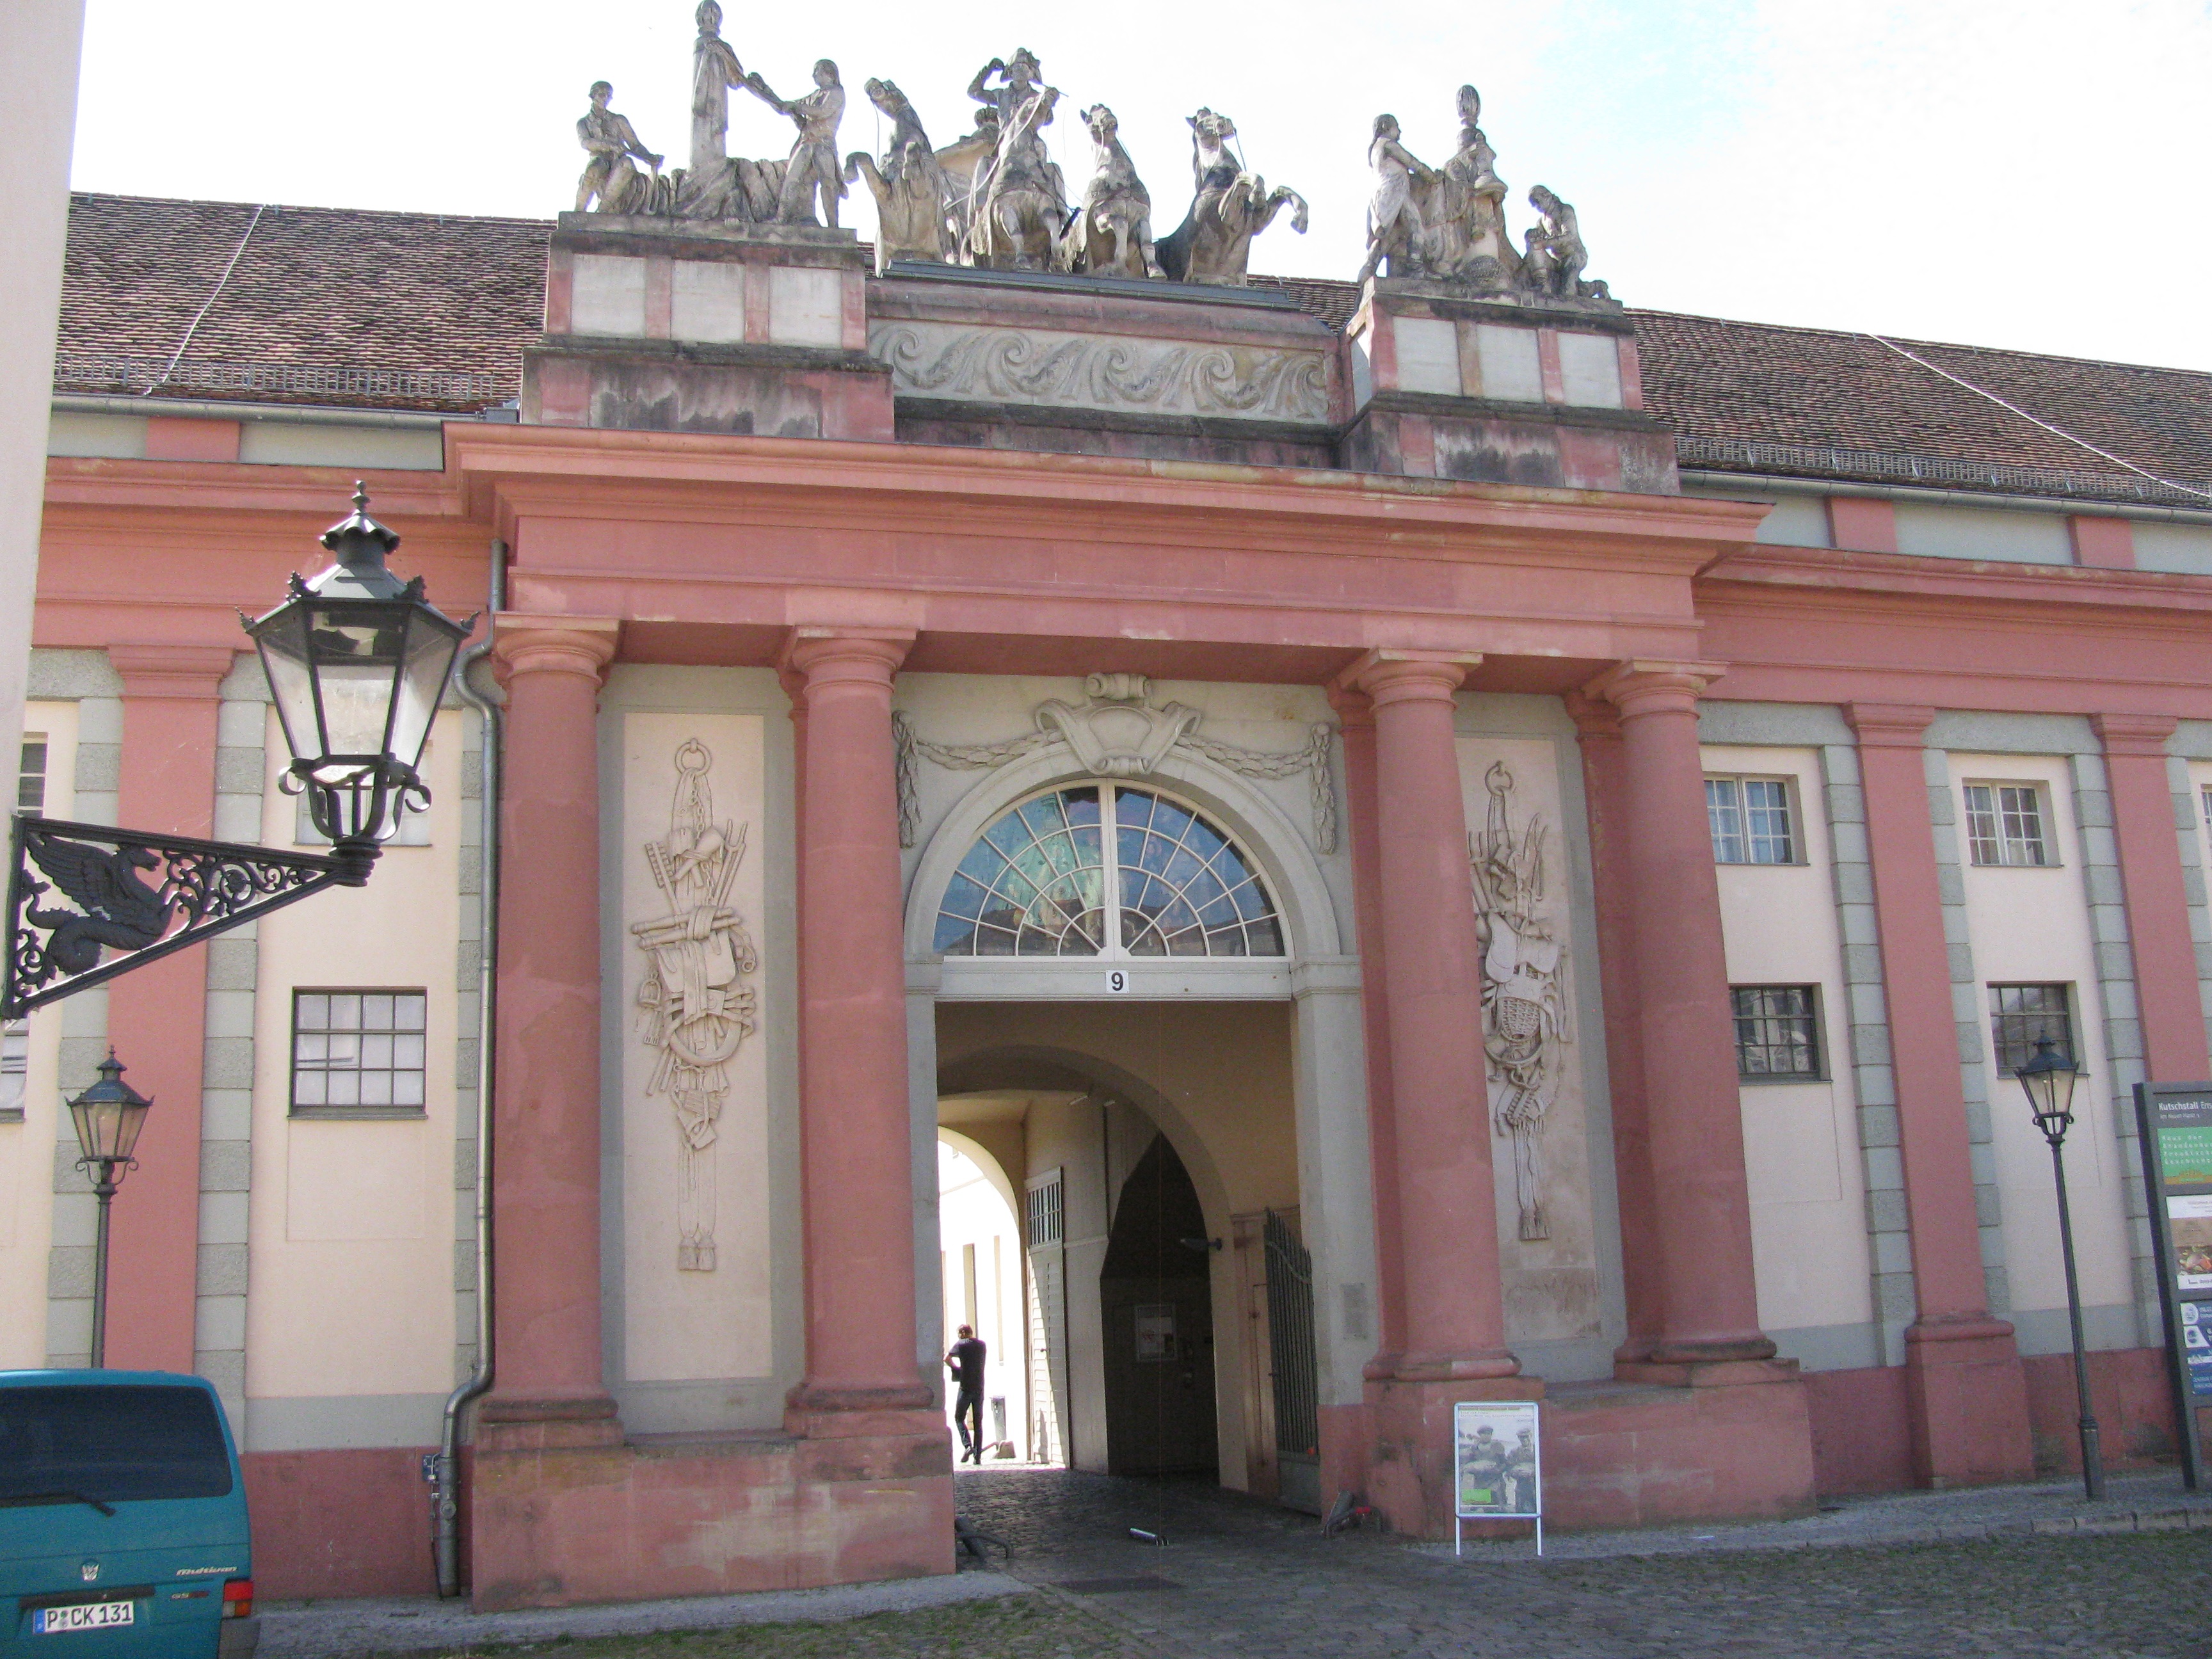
[(1297, 1382)]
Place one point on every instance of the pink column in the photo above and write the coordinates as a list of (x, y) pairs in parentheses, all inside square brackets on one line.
[(1967, 1396), (2158, 907), (1605, 785), (1356, 722), (1455, 1320), (1702, 1202), (157, 1014), (857, 1167), (545, 1164)]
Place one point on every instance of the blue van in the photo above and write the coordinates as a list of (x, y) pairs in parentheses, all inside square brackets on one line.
[(123, 1526)]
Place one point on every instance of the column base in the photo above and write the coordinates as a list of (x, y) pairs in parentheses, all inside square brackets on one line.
[(1409, 1459), (1705, 1373), (1966, 1403), (1730, 1442)]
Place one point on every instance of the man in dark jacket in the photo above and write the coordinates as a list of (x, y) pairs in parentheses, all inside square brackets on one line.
[(966, 1363)]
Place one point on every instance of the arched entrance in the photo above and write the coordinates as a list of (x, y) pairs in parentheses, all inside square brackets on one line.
[(1156, 1317)]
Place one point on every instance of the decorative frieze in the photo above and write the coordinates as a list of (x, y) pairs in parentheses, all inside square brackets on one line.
[(1101, 372), (1116, 733)]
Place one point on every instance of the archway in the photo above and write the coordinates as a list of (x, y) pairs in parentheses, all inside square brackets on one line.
[(981, 1273), (1156, 1314)]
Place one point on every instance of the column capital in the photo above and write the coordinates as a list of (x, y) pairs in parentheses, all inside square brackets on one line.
[(1647, 685), (526, 644), (1389, 676), (1890, 724), (1353, 707), (2134, 734), (1594, 717), (194, 671), (815, 657)]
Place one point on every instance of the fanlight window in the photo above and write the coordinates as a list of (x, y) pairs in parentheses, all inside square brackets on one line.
[(1044, 880)]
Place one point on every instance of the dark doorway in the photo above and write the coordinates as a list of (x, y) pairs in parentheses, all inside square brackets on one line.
[(1156, 1300)]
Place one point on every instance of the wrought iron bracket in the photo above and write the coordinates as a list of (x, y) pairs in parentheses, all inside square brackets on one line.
[(86, 901)]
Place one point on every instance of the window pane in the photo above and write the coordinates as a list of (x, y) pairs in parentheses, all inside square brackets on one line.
[(1777, 1031), (345, 1052), (1766, 817), (2023, 813), (2020, 1015), (1982, 841), (1724, 812), (1034, 884), (1186, 889)]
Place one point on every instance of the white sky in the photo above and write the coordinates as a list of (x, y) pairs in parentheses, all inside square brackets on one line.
[(2026, 174)]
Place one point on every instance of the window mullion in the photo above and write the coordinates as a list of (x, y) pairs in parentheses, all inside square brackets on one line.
[(1111, 859)]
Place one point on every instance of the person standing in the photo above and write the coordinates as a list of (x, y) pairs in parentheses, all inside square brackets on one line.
[(965, 1361)]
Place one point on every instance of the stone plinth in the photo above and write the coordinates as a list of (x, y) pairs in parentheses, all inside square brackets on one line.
[(690, 326), (1500, 391), (557, 1519)]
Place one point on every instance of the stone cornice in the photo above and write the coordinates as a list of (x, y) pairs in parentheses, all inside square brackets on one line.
[(192, 672)]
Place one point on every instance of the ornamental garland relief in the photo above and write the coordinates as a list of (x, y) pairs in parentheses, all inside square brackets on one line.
[(694, 1007), (998, 365), (1115, 731), (1527, 1020)]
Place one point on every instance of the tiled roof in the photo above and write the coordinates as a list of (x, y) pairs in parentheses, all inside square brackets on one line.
[(423, 311)]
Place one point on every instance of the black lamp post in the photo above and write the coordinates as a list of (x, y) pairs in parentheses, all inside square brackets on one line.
[(2049, 1080), (357, 660), (108, 1115)]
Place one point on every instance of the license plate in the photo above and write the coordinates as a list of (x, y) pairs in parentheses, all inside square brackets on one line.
[(86, 1615)]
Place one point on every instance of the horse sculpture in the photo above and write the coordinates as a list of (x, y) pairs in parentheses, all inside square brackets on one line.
[(1213, 244), (1112, 235), (1024, 213), (911, 190)]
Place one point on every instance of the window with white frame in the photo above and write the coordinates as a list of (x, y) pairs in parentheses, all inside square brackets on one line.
[(15, 1069), (31, 780), (1751, 820), (1777, 1033), (2021, 1016), (2005, 825), (357, 1053), (1106, 870), (1047, 1220)]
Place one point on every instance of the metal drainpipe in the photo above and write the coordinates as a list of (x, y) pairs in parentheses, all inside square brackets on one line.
[(445, 1477)]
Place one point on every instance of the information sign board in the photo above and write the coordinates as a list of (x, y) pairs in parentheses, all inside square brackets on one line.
[(2174, 1120), (1498, 1464)]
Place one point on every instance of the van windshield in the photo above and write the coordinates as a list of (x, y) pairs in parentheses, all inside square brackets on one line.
[(111, 1444)]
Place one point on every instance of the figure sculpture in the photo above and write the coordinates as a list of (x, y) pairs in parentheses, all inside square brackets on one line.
[(1024, 210), (911, 189), (1395, 231), (1466, 212), (1112, 235), (812, 169), (1231, 206), (1553, 266), (707, 186), (611, 176)]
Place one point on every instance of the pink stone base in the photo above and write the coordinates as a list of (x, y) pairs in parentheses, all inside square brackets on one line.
[(662, 1515), (1967, 1404), (1409, 1473), (1628, 1455)]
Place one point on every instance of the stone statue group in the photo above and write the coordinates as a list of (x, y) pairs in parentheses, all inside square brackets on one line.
[(994, 199)]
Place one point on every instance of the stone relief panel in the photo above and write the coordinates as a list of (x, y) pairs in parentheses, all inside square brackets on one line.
[(1076, 371), (1117, 730), (1518, 851), (694, 1070)]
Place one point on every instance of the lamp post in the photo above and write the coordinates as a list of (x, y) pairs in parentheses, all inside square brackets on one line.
[(108, 1117), (2049, 1080)]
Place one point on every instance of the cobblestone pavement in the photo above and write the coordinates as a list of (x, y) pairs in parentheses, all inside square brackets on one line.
[(1240, 1578)]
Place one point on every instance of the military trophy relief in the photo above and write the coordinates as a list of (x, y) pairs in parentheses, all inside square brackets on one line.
[(1527, 1019), (695, 1006), (1117, 730), (1447, 226)]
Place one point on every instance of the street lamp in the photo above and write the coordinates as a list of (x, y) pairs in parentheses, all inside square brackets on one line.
[(2049, 1080), (108, 1117), (357, 661)]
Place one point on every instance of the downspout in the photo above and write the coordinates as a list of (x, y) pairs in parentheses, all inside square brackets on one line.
[(445, 1478)]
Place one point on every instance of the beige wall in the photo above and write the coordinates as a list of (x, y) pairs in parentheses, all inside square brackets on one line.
[(352, 1222), (30, 1150), (1801, 1142), (2031, 926)]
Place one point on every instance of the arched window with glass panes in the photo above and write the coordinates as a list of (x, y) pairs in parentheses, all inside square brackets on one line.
[(1107, 870)]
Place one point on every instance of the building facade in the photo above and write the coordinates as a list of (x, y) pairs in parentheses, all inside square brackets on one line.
[(1416, 848)]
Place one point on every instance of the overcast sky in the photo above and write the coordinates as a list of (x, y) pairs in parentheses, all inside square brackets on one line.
[(2028, 175)]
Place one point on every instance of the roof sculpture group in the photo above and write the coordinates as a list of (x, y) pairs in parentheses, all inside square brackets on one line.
[(994, 199)]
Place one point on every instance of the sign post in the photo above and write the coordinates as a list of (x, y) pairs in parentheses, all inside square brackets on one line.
[(2174, 1120), (1498, 1464)]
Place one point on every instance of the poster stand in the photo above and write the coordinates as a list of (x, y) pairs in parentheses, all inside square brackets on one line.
[(2173, 1121), (1498, 1466)]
